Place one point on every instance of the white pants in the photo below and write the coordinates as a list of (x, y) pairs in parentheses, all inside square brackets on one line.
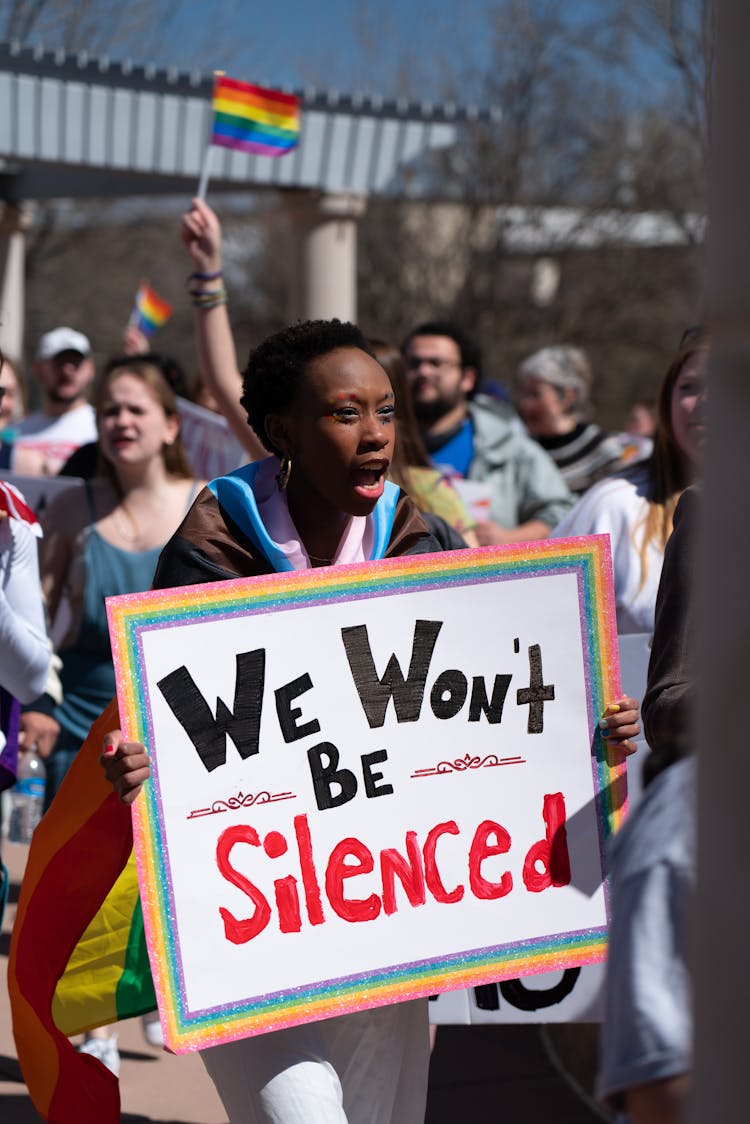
[(366, 1068)]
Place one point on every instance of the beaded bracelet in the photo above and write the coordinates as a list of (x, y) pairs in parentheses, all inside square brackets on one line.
[(199, 291), (208, 299), (205, 276)]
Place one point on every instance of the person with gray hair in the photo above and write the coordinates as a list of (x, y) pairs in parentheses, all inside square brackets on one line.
[(553, 397)]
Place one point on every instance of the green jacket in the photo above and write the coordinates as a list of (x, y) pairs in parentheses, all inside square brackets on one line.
[(524, 481)]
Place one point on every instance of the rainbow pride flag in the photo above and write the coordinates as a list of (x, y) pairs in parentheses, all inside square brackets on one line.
[(77, 956), (254, 119), (150, 311)]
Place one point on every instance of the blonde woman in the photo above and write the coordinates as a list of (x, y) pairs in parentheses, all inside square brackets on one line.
[(636, 508)]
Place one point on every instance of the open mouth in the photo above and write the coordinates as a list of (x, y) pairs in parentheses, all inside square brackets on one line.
[(370, 480)]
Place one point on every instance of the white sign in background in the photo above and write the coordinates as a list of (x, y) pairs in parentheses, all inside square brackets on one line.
[(212, 448), (487, 630)]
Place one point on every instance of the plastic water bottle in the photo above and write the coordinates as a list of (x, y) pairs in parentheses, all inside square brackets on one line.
[(27, 797)]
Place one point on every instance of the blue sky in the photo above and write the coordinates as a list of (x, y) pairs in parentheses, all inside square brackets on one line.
[(389, 47), (428, 49)]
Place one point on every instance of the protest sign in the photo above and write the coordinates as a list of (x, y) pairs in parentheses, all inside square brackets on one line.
[(573, 994), (477, 495), (371, 782)]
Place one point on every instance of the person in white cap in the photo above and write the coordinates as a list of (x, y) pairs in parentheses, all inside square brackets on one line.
[(46, 438)]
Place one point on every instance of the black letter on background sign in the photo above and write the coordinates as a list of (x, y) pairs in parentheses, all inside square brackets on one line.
[(525, 998), (209, 734), (375, 693)]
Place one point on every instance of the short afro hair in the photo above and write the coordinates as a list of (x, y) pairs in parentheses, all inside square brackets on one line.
[(278, 364)]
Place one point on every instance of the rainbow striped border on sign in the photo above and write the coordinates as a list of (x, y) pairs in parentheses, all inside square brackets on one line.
[(588, 558)]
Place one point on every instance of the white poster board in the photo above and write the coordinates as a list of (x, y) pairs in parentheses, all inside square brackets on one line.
[(573, 994), (371, 782)]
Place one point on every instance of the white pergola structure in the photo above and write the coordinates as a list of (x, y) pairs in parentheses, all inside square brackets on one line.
[(72, 126)]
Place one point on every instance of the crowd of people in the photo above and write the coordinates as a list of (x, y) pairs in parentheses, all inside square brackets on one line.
[(415, 442)]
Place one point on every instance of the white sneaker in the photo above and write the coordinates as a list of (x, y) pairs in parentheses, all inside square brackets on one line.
[(151, 1028), (105, 1049)]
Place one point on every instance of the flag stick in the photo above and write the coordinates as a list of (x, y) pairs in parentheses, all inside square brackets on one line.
[(206, 169), (133, 321), (205, 172)]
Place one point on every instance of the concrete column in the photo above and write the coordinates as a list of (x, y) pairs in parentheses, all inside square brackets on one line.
[(722, 1030), (324, 281), (14, 221)]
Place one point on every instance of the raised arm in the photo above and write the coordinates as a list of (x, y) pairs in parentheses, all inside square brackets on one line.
[(201, 236)]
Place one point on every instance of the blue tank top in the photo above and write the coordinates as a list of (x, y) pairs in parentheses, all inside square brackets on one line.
[(88, 677)]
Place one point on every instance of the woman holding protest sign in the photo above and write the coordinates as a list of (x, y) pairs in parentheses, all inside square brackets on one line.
[(317, 397)]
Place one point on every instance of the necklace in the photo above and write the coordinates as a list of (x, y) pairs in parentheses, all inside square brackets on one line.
[(323, 561), (127, 531)]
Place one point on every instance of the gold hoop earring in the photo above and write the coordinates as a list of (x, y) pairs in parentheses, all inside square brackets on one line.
[(285, 471)]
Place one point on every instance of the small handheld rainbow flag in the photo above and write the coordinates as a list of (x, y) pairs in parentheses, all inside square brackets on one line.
[(150, 311), (254, 119)]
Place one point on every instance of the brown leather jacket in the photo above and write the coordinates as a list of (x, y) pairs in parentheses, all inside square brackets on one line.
[(208, 546)]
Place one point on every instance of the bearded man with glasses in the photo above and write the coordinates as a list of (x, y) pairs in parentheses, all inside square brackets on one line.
[(480, 438)]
